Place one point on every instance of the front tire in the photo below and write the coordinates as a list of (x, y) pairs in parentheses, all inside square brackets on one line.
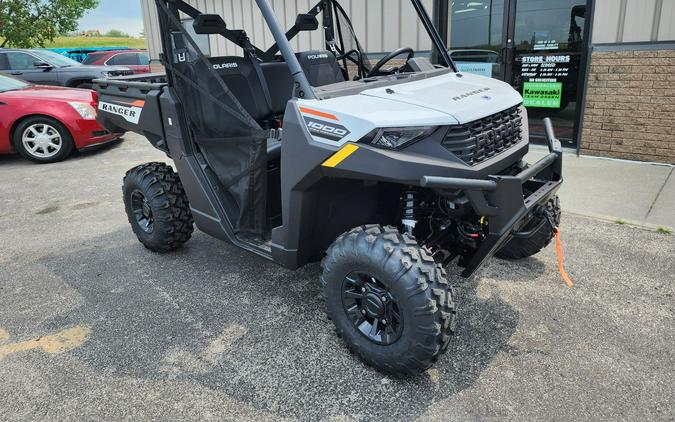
[(43, 140), (390, 301), (523, 247), (157, 207)]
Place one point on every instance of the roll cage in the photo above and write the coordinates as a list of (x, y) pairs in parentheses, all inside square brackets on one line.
[(339, 35)]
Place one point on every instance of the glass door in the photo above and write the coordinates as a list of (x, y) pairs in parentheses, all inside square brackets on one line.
[(545, 61), (535, 45), (476, 36)]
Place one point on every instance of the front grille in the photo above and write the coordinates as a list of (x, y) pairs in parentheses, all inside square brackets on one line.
[(114, 73), (476, 141), (98, 133)]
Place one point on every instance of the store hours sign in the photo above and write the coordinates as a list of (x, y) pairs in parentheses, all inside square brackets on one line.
[(543, 77)]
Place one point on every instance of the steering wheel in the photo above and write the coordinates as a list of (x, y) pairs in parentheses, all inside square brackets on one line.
[(386, 59)]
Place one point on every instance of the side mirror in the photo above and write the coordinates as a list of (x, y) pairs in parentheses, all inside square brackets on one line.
[(42, 65), (306, 22)]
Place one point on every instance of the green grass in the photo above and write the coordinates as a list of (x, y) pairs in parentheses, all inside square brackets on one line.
[(81, 42), (664, 230), (620, 221), (72, 42)]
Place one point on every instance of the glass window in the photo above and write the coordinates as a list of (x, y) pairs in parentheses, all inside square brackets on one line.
[(91, 58), (549, 25), (21, 61), (476, 24), (202, 40), (128, 59), (55, 58), (143, 59), (8, 83)]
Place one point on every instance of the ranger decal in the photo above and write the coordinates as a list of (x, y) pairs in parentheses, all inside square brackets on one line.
[(129, 113)]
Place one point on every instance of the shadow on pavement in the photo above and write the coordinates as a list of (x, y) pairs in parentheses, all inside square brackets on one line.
[(226, 319)]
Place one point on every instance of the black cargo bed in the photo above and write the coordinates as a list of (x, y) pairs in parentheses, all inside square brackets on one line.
[(131, 103)]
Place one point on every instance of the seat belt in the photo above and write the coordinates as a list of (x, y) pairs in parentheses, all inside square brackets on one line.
[(250, 53)]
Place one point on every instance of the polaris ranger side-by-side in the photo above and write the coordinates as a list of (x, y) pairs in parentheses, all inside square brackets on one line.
[(385, 174)]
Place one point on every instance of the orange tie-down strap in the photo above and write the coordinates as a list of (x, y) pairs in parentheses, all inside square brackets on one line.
[(559, 251)]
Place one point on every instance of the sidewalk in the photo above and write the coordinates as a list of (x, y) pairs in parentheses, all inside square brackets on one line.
[(638, 193)]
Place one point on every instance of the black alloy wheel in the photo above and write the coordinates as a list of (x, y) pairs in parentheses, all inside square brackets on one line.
[(372, 308), (140, 207)]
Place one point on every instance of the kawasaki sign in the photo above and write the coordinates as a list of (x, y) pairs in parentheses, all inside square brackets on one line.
[(542, 94)]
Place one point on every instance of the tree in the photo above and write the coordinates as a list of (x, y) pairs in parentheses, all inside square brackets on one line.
[(116, 33), (31, 23)]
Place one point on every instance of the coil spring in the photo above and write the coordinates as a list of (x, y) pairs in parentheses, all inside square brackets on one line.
[(409, 204)]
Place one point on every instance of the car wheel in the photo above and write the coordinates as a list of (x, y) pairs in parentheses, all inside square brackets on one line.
[(43, 140), (85, 85)]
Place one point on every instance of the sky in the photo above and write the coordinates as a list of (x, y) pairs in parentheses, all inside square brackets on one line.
[(124, 15)]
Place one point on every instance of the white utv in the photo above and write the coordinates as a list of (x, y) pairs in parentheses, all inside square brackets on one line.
[(384, 174)]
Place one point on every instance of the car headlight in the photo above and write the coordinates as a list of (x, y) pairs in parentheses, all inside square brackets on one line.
[(86, 111), (396, 137)]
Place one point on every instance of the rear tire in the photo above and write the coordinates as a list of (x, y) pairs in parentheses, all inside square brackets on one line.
[(85, 85), (157, 207), (518, 248), (374, 276)]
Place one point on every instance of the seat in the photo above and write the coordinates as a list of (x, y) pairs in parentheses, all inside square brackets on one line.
[(280, 85), (321, 67), (241, 78)]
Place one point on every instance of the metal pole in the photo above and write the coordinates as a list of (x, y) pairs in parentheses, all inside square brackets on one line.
[(436, 38), (304, 88)]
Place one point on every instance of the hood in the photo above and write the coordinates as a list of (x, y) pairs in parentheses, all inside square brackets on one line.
[(466, 98), (46, 93)]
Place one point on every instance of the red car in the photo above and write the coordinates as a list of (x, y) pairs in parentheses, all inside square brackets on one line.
[(46, 123), (136, 60)]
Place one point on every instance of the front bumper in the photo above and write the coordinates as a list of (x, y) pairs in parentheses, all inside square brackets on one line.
[(89, 134), (501, 198)]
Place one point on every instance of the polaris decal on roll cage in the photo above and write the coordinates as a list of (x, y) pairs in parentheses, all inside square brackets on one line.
[(326, 130)]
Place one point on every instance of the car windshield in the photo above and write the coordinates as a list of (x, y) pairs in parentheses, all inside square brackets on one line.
[(55, 58), (10, 84)]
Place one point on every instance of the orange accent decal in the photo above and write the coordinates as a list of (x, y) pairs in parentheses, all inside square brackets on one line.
[(138, 103), (318, 113), (559, 251)]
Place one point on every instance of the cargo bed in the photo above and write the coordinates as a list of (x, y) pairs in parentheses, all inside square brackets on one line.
[(131, 103)]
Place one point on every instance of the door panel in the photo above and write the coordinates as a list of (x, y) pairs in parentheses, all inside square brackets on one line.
[(22, 65)]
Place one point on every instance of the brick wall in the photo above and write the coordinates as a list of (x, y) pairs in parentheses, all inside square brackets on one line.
[(630, 106)]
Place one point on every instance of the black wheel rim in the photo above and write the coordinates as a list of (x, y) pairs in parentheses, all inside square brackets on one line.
[(140, 208), (371, 308)]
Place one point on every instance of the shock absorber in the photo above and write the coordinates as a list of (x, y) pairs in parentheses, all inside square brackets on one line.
[(409, 210)]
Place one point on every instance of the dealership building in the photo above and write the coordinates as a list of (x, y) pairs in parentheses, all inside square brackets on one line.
[(603, 70)]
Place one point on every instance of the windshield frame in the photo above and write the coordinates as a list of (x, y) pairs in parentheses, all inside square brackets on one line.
[(53, 58)]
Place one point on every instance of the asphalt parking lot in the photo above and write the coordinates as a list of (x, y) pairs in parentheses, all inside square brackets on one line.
[(95, 327)]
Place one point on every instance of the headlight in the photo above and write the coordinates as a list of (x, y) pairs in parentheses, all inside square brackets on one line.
[(395, 138), (85, 110)]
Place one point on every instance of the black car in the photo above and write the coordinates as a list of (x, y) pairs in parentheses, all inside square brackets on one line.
[(45, 67)]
